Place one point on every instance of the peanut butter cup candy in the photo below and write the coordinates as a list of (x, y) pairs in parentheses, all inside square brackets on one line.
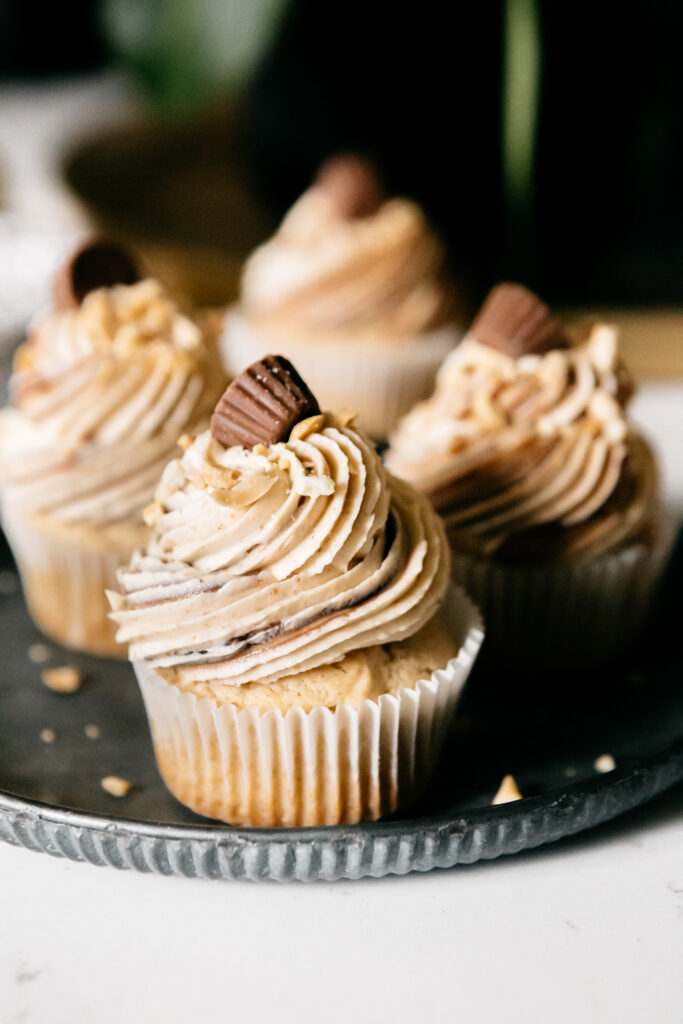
[(291, 621), (353, 289), (101, 391), (548, 493)]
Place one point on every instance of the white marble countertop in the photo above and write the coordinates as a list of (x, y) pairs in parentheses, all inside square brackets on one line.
[(588, 930)]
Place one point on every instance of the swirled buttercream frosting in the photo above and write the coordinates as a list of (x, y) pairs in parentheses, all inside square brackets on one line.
[(326, 275), (99, 396), (530, 457), (273, 560)]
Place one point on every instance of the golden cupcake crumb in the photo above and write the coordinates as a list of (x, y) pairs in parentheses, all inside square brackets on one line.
[(48, 735), (116, 786), (507, 791), (604, 763), (66, 679)]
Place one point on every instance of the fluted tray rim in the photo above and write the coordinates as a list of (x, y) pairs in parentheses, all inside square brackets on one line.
[(563, 798)]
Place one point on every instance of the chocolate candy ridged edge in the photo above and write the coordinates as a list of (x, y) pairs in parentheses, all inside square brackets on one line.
[(513, 320), (262, 404)]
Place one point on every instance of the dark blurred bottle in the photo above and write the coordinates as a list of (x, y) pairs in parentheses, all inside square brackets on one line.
[(422, 90), (39, 40)]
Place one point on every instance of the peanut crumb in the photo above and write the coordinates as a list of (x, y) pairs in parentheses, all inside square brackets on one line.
[(39, 653), (116, 786), (186, 441), (304, 428), (346, 416), (48, 735), (152, 512), (92, 731), (604, 763), (507, 791), (66, 679), (116, 600)]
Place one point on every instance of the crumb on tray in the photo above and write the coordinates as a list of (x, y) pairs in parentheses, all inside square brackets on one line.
[(116, 786), (48, 735), (65, 679), (507, 791), (92, 731), (39, 653), (604, 763)]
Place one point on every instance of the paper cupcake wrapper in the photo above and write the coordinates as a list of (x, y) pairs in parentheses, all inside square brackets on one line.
[(380, 381), (64, 575), (566, 617), (321, 767)]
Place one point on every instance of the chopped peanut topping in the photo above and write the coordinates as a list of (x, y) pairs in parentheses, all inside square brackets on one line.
[(152, 512), (345, 417), (304, 428)]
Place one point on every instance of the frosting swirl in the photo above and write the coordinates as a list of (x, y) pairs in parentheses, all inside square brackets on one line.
[(323, 274), (530, 457), (100, 395), (276, 560)]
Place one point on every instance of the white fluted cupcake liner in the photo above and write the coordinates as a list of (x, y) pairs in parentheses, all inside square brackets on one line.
[(380, 380), (566, 616), (65, 572), (321, 767)]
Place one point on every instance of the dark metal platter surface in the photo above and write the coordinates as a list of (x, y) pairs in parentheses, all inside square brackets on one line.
[(547, 733)]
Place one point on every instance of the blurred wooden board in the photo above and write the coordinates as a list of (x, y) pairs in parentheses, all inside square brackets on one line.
[(181, 193), (650, 340), (185, 196)]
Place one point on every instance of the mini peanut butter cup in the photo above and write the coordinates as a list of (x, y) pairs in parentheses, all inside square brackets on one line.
[(353, 185), (515, 321), (262, 405), (97, 263)]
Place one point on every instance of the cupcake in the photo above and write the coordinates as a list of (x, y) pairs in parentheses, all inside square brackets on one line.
[(549, 495), (100, 394), (289, 621), (353, 289)]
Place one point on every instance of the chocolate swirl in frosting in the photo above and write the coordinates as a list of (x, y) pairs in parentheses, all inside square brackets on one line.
[(100, 394), (531, 457), (278, 559), (325, 274)]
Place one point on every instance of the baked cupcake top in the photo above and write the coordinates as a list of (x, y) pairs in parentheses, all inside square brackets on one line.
[(100, 393), (524, 447), (268, 559), (347, 263)]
